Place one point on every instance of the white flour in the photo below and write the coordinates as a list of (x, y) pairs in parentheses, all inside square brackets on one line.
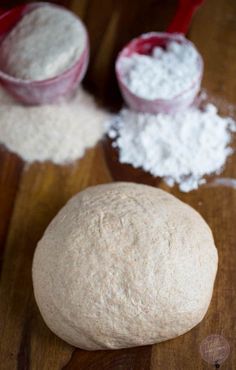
[(44, 43), (182, 148), (58, 133), (163, 75)]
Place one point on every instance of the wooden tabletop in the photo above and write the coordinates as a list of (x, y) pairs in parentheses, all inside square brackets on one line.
[(30, 196)]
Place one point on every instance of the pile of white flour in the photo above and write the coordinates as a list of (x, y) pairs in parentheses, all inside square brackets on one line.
[(45, 42), (58, 133), (182, 147), (164, 74)]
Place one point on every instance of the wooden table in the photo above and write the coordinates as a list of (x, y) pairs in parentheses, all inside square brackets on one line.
[(30, 196)]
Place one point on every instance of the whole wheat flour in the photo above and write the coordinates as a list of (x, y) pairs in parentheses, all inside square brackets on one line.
[(182, 147), (44, 43), (164, 74), (58, 133)]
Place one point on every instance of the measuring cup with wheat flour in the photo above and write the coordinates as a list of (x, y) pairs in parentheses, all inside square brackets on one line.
[(44, 91), (145, 44)]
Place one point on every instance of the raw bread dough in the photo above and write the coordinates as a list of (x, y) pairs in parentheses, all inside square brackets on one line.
[(124, 265), (44, 43)]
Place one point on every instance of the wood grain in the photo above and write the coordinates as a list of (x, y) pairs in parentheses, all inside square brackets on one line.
[(30, 196), (10, 170)]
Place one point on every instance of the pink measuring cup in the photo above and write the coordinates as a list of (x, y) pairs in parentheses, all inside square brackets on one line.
[(144, 44), (44, 91)]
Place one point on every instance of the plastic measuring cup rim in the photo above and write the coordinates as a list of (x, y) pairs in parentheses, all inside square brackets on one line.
[(85, 52), (131, 48)]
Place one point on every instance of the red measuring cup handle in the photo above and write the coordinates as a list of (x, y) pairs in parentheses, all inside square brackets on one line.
[(8, 18), (183, 16)]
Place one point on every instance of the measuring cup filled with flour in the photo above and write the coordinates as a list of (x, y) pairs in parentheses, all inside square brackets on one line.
[(159, 72), (44, 52)]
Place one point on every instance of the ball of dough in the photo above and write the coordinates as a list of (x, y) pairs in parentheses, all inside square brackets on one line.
[(124, 265)]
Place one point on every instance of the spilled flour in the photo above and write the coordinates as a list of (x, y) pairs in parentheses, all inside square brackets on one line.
[(182, 148), (58, 133), (227, 182)]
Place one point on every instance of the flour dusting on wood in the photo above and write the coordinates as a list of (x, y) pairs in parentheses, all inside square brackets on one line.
[(57, 133)]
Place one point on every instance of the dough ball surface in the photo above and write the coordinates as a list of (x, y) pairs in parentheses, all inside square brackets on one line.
[(124, 265)]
